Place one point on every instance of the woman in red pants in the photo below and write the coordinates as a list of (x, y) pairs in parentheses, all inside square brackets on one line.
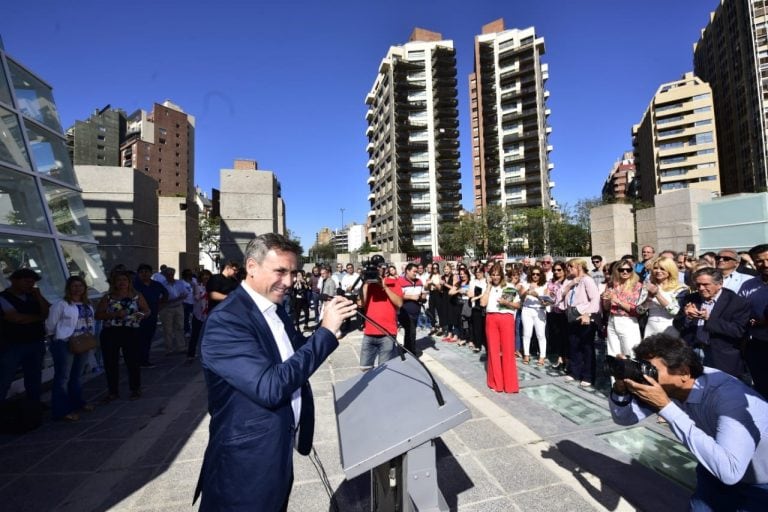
[(501, 301)]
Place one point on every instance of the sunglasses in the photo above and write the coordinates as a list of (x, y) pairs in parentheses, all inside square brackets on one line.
[(724, 258), (535, 274), (625, 270)]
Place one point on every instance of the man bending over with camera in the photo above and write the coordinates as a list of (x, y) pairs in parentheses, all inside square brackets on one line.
[(723, 422), (381, 296)]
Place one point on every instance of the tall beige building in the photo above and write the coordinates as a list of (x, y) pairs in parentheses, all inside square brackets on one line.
[(732, 57), (413, 145), (510, 150), (675, 144)]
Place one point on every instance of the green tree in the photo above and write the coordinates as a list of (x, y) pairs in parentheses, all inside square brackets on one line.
[(323, 253), (367, 248), (210, 239)]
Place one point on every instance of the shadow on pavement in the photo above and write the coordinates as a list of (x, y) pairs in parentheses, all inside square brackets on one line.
[(113, 453), (633, 481)]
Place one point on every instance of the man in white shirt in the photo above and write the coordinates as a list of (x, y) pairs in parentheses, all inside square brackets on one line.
[(727, 261)]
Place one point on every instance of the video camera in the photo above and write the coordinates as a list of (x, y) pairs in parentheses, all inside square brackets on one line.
[(372, 269), (633, 369)]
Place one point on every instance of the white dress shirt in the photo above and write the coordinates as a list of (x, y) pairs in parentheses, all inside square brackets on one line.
[(269, 310)]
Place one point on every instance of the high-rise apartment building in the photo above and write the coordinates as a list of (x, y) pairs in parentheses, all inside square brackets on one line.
[(162, 144), (675, 144), (732, 57), (617, 185), (43, 223), (413, 145), (510, 151), (97, 140)]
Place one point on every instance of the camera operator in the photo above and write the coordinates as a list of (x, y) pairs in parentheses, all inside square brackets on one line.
[(721, 421), (380, 300), (413, 296)]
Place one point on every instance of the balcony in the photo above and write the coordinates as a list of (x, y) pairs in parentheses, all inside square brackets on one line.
[(370, 98), (514, 180), (372, 213), (369, 148), (371, 180), (369, 131), (371, 163), (371, 196), (418, 185)]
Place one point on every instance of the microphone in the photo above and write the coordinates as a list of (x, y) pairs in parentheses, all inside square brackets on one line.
[(435, 388), (403, 350)]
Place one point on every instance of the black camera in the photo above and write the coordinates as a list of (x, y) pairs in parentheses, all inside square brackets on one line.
[(372, 269), (633, 369)]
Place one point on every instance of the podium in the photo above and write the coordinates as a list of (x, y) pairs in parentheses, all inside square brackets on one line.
[(388, 419)]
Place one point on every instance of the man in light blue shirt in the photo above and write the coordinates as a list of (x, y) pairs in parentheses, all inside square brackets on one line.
[(722, 421)]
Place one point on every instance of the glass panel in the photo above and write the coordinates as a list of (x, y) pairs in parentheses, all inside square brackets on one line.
[(20, 204), (34, 98), (660, 453), (50, 154), (67, 209), (11, 142), (84, 260), (5, 91), (36, 253), (579, 410)]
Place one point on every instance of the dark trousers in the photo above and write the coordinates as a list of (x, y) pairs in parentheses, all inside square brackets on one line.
[(187, 317), (114, 340), (29, 356), (409, 325), (197, 328), (581, 339), (756, 356), (712, 494), (434, 310), (477, 321), (146, 333), (557, 335), (315, 298)]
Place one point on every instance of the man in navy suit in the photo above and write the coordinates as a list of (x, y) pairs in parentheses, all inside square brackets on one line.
[(714, 320), (257, 369)]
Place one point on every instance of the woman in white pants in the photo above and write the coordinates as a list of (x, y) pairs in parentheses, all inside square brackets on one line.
[(662, 301), (534, 314), (620, 301)]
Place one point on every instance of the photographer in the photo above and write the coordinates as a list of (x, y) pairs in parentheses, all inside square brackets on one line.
[(718, 418), (380, 300)]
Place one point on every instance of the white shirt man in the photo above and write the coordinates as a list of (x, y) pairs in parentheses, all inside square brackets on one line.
[(727, 261)]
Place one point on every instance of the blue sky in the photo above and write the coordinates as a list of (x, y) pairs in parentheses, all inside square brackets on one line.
[(284, 82)]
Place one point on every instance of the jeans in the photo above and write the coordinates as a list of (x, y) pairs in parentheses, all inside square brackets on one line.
[(187, 315), (30, 357), (713, 495), (315, 298), (66, 391), (383, 346)]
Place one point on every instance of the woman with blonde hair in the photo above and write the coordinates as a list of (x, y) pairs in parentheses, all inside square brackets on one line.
[(620, 301), (500, 300), (662, 297)]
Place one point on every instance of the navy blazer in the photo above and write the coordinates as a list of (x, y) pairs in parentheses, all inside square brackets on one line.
[(726, 327), (248, 464)]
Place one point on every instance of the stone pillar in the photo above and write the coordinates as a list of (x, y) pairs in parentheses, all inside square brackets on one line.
[(645, 227), (677, 218), (613, 230)]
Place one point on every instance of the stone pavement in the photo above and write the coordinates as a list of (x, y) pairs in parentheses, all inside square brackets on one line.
[(551, 447)]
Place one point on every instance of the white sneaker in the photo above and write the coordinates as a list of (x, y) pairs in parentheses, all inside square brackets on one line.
[(568, 378)]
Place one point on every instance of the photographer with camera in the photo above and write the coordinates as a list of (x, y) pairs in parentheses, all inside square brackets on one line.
[(721, 421), (381, 296)]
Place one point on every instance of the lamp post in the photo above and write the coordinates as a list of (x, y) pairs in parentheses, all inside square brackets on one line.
[(342, 217)]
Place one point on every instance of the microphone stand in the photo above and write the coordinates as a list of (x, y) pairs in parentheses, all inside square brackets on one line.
[(403, 350)]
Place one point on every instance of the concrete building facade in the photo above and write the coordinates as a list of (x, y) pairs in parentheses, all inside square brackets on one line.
[(675, 143), (356, 236), (43, 222), (510, 149), (97, 140), (413, 145), (732, 56), (250, 204), (122, 206)]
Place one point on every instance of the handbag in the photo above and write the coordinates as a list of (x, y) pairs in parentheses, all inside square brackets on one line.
[(82, 343), (572, 314)]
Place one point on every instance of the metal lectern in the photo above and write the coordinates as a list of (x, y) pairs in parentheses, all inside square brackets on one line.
[(388, 419)]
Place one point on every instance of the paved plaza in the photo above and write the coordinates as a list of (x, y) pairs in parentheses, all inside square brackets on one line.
[(552, 447)]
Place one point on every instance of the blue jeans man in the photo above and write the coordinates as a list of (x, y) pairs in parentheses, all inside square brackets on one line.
[(30, 356)]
